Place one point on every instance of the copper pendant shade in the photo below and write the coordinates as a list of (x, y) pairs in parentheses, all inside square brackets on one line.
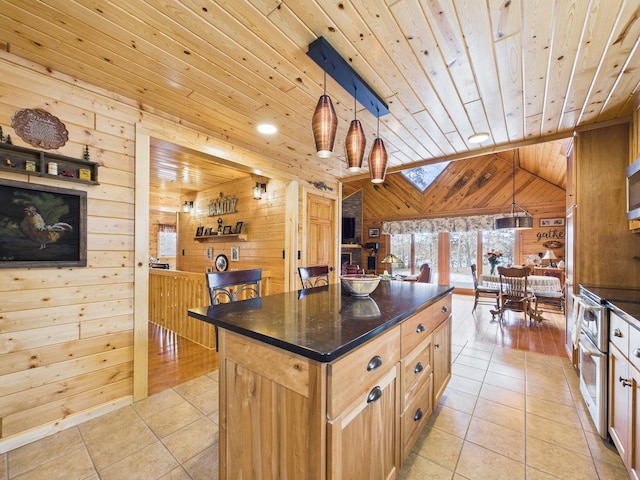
[(324, 125), (354, 145), (378, 161)]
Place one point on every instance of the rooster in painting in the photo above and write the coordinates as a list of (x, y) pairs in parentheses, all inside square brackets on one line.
[(34, 227)]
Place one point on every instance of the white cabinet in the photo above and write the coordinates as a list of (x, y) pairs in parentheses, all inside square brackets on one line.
[(624, 391)]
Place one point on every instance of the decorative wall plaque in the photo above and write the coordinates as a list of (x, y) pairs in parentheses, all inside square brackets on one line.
[(39, 128), (222, 206)]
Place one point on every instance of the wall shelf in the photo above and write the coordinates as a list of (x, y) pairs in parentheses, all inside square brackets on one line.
[(222, 238), (16, 159)]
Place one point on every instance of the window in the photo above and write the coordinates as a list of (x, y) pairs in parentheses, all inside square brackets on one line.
[(167, 240), (401, 248), (496, 240), (425, 250), (464, 252)]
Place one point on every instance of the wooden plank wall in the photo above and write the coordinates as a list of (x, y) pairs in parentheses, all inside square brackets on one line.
[(263, 225), (66, 335), (66, 338)]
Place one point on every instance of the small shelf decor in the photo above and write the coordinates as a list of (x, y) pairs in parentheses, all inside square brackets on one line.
[(221, 238), (28, 161)]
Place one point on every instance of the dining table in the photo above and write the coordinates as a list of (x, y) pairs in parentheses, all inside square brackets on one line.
[(535, 283)]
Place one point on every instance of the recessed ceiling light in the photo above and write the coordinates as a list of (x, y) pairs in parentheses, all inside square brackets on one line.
[(478, 137), (267, 128)]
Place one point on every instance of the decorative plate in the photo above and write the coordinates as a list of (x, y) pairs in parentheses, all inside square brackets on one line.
[(553, 244), (222, 263), (39, 128)]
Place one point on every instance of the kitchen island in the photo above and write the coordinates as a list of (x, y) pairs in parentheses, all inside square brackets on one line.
[(318, 384)]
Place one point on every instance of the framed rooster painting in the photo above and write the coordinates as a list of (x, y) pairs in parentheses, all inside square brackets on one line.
[(42, 226)]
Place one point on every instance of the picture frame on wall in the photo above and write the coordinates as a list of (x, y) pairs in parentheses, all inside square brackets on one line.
[(235, 254), (374, 232), (42, 226), (238, 228), (227, 230), (552, 222)]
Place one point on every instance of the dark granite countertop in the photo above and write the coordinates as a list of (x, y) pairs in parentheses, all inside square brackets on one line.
[(624, 301), (322, 323)]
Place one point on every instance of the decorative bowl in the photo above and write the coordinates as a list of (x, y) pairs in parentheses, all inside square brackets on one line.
[(360, 285)]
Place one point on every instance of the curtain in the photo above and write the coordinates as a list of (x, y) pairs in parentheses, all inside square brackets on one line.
[(436, 225)]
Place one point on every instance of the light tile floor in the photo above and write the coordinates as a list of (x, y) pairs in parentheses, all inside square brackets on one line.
[(506, 414)]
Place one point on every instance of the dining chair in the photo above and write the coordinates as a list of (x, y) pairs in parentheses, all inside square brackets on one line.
[(351, 268), (425, 273), (515, 295), (556, 300), (488, 295), (314, 276), (228, 287)]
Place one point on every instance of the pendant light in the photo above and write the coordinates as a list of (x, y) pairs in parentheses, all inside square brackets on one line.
[(378, 159), (356, 141), (520, 219), (324, 123)]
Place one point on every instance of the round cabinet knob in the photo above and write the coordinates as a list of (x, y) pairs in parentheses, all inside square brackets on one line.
[(420, 328), (419, 367), (636, 352), (445, 309), (617, 333)]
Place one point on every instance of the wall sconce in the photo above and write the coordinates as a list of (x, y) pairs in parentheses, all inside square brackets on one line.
[(259, 190), (187, 207)]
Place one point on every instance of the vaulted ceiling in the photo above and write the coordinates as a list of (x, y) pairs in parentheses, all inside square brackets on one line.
[(521, 70)]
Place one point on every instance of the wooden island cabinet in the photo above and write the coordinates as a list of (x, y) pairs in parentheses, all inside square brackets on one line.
[(313, 385)]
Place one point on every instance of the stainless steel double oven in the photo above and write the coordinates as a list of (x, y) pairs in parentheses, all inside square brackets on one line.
[(592, 319)]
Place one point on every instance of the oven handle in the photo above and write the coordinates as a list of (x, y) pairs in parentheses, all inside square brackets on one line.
[(587, 304), (589, 351)]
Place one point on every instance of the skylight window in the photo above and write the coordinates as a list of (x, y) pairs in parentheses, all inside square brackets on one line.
[(422, 177)]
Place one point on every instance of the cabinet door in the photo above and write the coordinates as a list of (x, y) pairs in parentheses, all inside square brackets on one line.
[(619, 421), (441, 359), (634, 453), (363, 440)]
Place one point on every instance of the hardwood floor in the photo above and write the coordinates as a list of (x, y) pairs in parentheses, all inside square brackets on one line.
[(174, 360), (513, 332)]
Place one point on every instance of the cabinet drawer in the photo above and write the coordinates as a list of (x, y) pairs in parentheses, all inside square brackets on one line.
[(634, 347), (361, 369), (415, 370), (415, 329), (619, 333), (415, 416), (441, 310)]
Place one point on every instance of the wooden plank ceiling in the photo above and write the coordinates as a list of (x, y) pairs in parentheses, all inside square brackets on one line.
[(523, 71)]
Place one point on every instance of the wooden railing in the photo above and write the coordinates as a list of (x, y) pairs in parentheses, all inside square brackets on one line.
[(172, 293)]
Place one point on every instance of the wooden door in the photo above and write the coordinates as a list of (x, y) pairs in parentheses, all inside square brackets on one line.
[(441, 358), (320, 244)]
